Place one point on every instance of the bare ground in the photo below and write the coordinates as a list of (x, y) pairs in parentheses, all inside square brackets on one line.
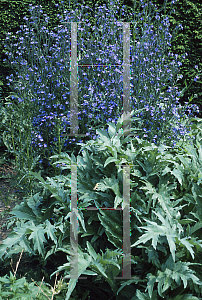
[(9, 197)]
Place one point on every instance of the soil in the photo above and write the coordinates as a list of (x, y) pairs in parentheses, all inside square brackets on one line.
[(9, 195)]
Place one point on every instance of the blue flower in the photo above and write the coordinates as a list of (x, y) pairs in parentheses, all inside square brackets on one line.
[(46, 85)]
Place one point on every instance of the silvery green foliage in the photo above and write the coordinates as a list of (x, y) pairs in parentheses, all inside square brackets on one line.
[(165, 216)]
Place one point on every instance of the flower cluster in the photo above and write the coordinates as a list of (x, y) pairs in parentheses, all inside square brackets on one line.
[(42, 58)]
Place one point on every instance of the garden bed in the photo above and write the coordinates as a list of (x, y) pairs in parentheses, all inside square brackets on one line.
[(11, 197)]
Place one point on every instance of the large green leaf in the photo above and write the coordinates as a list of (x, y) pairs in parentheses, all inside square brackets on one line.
[(154, 231), (38, 238), (29, 209), (171, 272), (113, 226)]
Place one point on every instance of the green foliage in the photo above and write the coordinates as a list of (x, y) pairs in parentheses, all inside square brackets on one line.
[(188, 14), (165, 207), (171, 276), (165, 219), (12, 288)]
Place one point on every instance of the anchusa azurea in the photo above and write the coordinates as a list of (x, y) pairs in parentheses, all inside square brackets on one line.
[(42, 80)]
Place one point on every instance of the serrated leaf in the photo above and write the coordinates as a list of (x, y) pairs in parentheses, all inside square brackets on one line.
[(128, 282), (117, 201), (112, 223), (185, 160), (110, 183), (173, 272), (147, 236), (99, 268), (189, 246), (38, 238), (23, 212), (171, 242), (194, 228), (154, 231), (46, 185), (104, 137), (178, 174), (143, 296), (150, 284), (91, 251), (116, 143), (109, 160), (111, 129), (166, 170), (28, 209), (81, 219), (11, 240), (50, 230), (83, 264), (153, 256)]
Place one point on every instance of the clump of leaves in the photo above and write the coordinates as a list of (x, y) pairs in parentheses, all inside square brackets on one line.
[(165, 217)]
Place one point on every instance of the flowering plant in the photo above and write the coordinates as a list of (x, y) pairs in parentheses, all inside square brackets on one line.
[(40, 106)]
